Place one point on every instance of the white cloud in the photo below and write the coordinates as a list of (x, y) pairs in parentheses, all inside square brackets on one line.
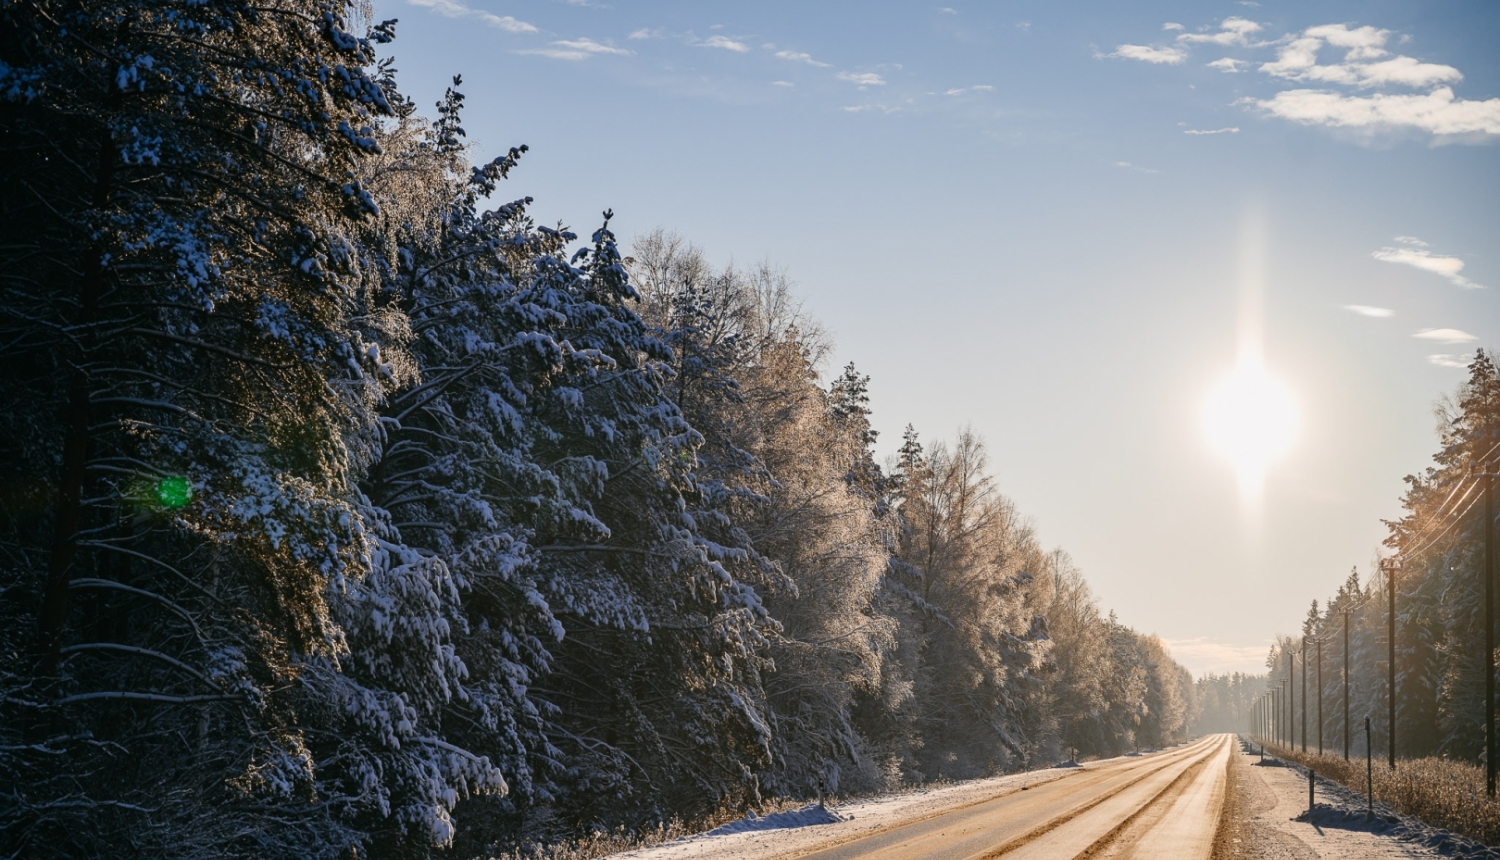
[(1172, 25), (858, 108), (1023, 26), (1231, 130), (1128, 166), (1228, 64), (1148, 54), (576, 49), (1368, 311), (1448, 361), (642, 33), (453, 9), (782, 84), (726, 43), (1445, 335), (864, 79), (977, 88), (1366, 62), (947, 10), (1437, 112), (799, 57), (1411, 240), (1420, 258), (1233, 31)]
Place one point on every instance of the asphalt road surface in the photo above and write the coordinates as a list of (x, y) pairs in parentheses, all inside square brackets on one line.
[(1164, 806)]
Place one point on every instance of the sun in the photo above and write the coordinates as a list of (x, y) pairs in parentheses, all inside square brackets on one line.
[(1250, 419)]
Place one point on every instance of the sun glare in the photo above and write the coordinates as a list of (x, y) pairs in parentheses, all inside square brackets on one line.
[(1250, 419)]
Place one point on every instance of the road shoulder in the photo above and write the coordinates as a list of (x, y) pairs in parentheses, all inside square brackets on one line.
[(1265, 818)]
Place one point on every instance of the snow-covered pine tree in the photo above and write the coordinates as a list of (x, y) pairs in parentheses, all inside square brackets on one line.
[(195, 370)]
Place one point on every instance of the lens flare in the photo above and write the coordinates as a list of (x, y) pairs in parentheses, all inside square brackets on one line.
[(173, 493)]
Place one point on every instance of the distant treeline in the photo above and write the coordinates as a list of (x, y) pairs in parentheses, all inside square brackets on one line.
[(347, 512), (1225, 702)]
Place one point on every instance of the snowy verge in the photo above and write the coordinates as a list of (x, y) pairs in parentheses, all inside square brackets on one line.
[(1338, 825), (812, 827)]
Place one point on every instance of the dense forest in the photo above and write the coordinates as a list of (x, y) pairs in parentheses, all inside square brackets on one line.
[(348, 512), (1437, 563)]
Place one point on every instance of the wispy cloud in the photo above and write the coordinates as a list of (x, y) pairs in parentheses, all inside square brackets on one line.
[(1415, 254), (977, 88), (1172, 25), (1446, 335), (1228, 64), (1128, 166), (576, 50), (1448, 361), (454, 9), (1231, 130), (782, 84), (947, 10), (864, 79), (725, 43), (1202, 655), (1368, 311), (799, 57), (1148, 54), (645, 33), (1232, 31)]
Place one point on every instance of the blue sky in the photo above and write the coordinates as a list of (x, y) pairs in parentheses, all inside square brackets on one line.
[(1027, 218)]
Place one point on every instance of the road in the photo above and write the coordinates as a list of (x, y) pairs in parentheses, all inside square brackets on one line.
[(1159, 807)]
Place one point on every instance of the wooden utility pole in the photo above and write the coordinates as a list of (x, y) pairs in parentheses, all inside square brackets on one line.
[(1489, 634), (1304, 693), (1320, 694), (1291, 699), (1347, 732), (1390, 567)]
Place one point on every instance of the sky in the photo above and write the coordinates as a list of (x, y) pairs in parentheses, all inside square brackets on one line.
[(1031, 219)]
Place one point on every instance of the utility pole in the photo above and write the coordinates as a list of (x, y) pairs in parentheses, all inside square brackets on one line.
[(1347, 732), (1286, 714), (1304, 693), (1320, 694), (1489, 633), (1291, 699), (1390, 567)]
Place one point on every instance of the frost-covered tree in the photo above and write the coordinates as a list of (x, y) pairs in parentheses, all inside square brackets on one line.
[(199, 359), (969, 562)]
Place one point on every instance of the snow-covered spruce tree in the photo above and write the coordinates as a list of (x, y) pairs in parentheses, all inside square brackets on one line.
[(656, 681), (1440, 588), (192, 371)]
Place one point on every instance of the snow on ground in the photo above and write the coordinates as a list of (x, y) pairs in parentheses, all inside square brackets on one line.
[(801, 830), (1338, 827)]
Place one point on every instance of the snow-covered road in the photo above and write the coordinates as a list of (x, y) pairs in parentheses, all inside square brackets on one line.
[(1163, 806)]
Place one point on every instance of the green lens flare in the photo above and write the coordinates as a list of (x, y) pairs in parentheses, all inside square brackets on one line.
[(174, 492)]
